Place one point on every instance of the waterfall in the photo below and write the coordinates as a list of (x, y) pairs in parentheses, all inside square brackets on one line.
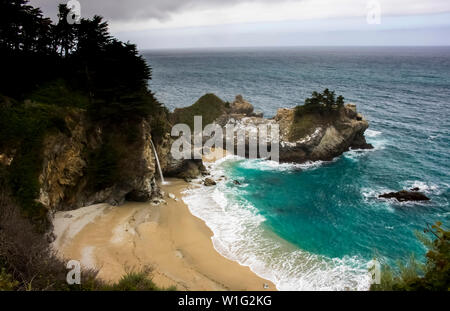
[(157, 162)]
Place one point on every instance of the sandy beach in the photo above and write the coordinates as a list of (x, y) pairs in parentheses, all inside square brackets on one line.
[(165, 236)]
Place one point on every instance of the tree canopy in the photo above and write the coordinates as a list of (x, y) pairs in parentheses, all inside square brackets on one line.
[(327, 99), (34, 51), (433, 275)]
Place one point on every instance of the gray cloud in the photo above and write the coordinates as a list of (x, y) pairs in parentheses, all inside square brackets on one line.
[(136, 10)]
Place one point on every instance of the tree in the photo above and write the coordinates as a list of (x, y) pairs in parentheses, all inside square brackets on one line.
[(64, 33), (92, 36), (340, 101), (434, 275), (326, 99), (110, 73)]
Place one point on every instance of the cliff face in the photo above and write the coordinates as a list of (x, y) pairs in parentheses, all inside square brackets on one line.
[(313, 137), (186, 168), (65, 181)]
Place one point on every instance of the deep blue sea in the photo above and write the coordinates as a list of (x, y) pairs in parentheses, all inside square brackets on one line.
[(316, 226)]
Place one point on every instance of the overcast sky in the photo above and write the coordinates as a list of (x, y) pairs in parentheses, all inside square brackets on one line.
[(154, 24)]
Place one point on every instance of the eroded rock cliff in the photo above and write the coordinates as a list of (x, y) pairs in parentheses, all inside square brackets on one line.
[(312, 136), (67, 180)]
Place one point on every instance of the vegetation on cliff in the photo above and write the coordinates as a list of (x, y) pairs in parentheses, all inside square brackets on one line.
[(434, 275), (319, 109), (52, 69), (209, 106), (23, 128)]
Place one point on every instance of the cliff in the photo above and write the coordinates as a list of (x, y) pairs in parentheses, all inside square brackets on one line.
[(312, 136), (69, 178), (82, 161)]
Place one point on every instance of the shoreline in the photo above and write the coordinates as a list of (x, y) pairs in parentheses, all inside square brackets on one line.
[(166, 237)]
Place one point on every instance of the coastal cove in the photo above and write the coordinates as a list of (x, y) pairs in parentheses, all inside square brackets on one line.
[(296, 224), (242, 169)]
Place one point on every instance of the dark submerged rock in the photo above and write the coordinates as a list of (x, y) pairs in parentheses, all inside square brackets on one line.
[(209, 182), (405, 195)]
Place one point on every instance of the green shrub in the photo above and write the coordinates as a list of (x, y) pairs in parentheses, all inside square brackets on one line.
[(414, 276), (327, 99), (209, 106), (24, 126), (134, 281), (7, 283), (318, 110), (137, 281), (58, 93), (103, 167), (159, 127)]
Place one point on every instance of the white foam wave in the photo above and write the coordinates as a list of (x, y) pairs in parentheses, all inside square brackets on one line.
[(265, 165), (371, 195), (239, 234), (374, 138), (425, 187), (371, 133)]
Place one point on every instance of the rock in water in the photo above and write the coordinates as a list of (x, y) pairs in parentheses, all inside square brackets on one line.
[(405, 195), (241, 106), (209, 182)]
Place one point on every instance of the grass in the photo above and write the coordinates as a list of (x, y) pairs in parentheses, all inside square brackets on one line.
[(137, 281), (209, 106), (58, 93), (307, 118)]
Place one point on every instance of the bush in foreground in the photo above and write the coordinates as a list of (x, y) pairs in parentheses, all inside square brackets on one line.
[(434, 275)]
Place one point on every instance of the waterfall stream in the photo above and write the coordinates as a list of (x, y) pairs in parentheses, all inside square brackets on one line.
[(157, 162)]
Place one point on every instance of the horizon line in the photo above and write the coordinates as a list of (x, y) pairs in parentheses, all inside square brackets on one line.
[(291, 46)]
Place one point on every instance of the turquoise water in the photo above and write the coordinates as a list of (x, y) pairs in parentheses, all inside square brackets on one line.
[(316, 226)]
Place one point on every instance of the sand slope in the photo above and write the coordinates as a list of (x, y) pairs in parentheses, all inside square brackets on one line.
[(167, 237)]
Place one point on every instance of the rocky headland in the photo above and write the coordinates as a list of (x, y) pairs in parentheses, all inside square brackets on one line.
[(304, 134)]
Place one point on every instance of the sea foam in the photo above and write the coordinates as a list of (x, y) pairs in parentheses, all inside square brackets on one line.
[(240, 234)]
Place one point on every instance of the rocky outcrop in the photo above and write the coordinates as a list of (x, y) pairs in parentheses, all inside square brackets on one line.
[(404, 195), (328, 136), (183, 168), (65, 182), (312, 136), (208, 182), (241, 106), (186, 169)]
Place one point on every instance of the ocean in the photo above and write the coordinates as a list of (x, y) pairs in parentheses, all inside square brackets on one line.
[(316, 226)]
